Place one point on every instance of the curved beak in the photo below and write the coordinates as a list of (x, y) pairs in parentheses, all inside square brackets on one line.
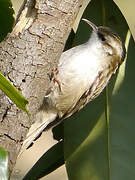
[(94, 27)]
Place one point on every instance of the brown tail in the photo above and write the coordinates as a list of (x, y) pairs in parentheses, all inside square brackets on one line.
[(42, 120)]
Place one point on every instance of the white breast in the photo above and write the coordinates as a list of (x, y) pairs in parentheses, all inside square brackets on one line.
[(79, 68)]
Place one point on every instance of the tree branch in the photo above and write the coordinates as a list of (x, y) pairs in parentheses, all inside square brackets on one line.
[(27, 55)]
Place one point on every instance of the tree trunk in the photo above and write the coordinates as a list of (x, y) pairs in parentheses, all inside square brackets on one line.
[(27, 55)]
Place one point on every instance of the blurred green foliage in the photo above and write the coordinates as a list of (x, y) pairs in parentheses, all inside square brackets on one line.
[(4, 174), (6, 18)]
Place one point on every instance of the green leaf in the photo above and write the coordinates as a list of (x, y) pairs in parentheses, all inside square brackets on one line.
[(4, 174), (51, 160), (128, 10), (122, 122), (122, 69), (13, 93), (85, 144), (6, 18)]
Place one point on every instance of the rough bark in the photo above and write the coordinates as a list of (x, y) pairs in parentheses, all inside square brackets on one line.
[(27, 55)]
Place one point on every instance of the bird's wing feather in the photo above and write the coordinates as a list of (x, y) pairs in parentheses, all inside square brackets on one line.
[(94, 90)]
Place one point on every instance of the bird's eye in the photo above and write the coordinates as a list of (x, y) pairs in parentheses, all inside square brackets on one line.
[(102, 37)]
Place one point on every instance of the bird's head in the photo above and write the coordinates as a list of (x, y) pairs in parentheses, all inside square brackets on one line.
[(109, 41)]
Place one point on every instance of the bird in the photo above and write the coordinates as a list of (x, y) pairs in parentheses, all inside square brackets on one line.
[(81, 75)]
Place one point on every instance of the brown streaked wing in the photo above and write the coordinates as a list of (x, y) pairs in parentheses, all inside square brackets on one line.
[(95, 89)]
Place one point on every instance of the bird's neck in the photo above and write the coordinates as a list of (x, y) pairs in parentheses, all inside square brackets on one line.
[(94, 45)]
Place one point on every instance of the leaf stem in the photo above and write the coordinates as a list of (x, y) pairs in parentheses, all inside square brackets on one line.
[(107, 116), (107, 109)]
